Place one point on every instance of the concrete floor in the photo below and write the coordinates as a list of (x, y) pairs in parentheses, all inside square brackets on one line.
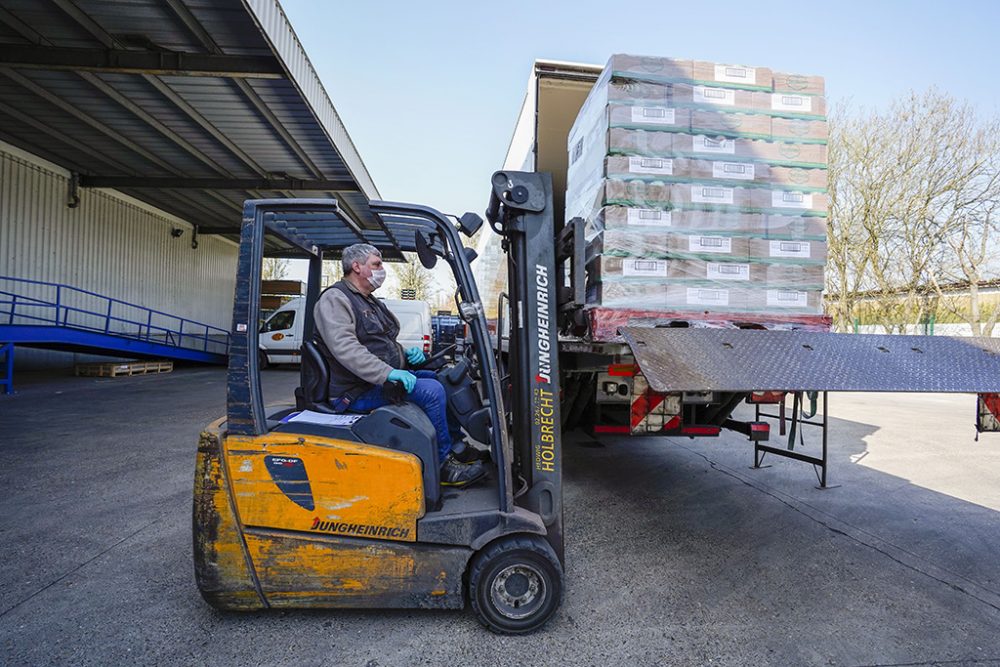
[(678, 552)]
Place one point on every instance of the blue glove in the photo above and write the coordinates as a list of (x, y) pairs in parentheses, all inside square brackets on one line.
[(408, 379), (415, 356)]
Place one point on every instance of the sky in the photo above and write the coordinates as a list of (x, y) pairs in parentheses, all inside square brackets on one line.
[(430, 91)]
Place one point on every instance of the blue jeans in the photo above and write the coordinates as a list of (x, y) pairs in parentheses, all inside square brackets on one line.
[(429, 395)]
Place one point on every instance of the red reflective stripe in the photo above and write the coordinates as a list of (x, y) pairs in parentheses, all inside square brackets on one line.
[(623, 370), (674, 422), (700, 430), (603, 428), (760, 427)]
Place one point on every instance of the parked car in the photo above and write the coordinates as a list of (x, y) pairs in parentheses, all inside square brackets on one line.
[(281, 333)]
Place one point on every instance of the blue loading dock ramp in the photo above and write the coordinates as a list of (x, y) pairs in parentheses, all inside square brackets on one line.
[(62, 317)]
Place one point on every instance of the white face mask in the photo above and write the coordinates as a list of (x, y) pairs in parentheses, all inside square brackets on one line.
[(377, 278)]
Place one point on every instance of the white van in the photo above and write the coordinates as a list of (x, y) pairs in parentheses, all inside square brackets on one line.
[(281, 333)]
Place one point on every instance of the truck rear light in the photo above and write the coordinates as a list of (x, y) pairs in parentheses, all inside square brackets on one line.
[(427, 344), (623, 370)]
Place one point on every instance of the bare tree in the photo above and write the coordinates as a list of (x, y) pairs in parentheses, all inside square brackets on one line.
[(333, 271), (411, 275), (911, 193), (274, 268)]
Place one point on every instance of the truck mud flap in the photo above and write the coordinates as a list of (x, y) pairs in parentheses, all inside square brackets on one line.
[(746, 360)]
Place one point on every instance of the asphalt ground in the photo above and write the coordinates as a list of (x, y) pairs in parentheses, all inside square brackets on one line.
[(677, 551)]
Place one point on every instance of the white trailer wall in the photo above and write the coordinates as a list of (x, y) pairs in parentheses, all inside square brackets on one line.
[(110, 244)]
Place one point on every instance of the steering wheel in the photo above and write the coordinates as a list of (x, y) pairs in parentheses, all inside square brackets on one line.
[(436, 357)]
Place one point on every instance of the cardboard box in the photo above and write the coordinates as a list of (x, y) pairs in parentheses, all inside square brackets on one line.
[(610, 268), (640, 142), (641, 92), (798, 129), (627, 220), (648, 68), (789, 276), (715, 123), (790, 104), (713, 97), (785, 301), (771, 152), (795, 227), (787, 251), (788, 201), (661, 244), (659, 296), (803, 84), (657, 194), (739, 76), (650, 117)]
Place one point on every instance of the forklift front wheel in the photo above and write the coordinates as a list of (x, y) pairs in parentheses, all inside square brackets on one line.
[(515, 584)]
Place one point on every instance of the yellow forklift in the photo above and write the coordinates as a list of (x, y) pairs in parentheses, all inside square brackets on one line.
[(295, 506)]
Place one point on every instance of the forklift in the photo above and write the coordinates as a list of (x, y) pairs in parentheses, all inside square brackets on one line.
[(296, 506)]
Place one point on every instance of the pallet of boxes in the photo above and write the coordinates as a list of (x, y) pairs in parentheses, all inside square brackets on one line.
[(703, 189)]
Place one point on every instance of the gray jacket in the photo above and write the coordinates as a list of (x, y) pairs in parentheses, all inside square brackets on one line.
[(335, 323)]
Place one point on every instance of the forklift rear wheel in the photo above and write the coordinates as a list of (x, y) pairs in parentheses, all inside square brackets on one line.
[(515, 584)]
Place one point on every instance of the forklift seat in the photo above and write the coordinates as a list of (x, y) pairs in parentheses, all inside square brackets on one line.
[(401, 427)]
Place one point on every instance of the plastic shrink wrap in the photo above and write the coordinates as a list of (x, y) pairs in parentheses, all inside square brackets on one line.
[(703, 187)]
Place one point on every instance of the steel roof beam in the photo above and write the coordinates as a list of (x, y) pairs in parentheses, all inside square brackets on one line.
[(74, 111), (111, 92), (213, 131), (183, 183), (122, 61), (21, 28)]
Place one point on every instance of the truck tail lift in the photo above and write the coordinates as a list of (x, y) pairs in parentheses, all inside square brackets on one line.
[(295, 506)]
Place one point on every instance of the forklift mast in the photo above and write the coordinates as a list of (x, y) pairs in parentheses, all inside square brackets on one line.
[(521, 211)]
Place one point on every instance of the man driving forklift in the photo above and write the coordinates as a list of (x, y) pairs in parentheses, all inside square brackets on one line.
[(357, 335)]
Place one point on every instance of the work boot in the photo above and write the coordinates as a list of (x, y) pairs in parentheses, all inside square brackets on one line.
[(455, 473), (466, 453)]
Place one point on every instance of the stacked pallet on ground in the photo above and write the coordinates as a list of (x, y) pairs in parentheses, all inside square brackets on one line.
[(123, 368), (703, 187)]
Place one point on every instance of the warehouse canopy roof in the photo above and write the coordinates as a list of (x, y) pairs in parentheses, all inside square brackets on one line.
[(189, 105)]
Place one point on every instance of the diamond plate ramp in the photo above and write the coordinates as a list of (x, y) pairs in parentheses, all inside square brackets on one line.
[(742, 360)]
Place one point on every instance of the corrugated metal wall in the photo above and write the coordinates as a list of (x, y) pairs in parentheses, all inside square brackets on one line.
[(106, 245)]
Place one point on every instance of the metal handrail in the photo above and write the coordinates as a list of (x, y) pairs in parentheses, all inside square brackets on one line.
[(58, 312)]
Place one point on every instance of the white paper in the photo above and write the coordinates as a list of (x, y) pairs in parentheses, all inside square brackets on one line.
[(649, 217), (703, 194), (311, 417), (653, 115), (786, 102), (736, 74), (699, 296), (703, 144), (787, 298), (651, 165), (720, 244), (728, 271), (787, 199), (719, 96), (795, 249), (743, 171), (653, 268)]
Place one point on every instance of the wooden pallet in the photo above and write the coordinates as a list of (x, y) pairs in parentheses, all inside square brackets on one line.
[(123, 368)]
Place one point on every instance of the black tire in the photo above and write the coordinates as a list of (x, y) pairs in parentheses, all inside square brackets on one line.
[(262, 361), (515, 584)]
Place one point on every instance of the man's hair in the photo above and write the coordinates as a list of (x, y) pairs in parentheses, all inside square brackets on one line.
[(359, 252)]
